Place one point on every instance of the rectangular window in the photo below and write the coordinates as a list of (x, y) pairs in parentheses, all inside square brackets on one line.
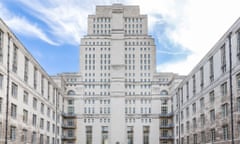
[(187, 112), (238, 82), (187, 90), (145, 134), (188, 141), (224, 89), (213, 135), (88, 134), (35, 103), (41, 139), (212, 116), (14, 90), (13, 133), (194, 84), (25, 97), (24, 136), (202, 118), (194, 123), (201, 77), (34, 138), (42, 108), (238, 45), (1, 104), (26, 69), (203, 137), (1, 81), (211, 65), (1, 45), (194, 138), (202, 105), (35, 78), (34, 120), (238, 104), (211, 97), (223, 58), (42, 123), (25, 116), (188, 126), (104, 135), (225, 132), (15, 59), (42, 85), (13, 111), (194, 108), (225, 110)]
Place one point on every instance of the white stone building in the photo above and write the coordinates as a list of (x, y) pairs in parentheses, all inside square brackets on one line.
[(203, 109), (30, 101), (118, 97)]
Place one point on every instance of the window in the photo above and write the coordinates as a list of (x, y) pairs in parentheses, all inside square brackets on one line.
[(13, 110), (35, 78), (194, 83), (89, 134), (194, 108), (25, 116), (1, 81), (238, 104), (211, 97), (42, 108), (15, 57), (24, 136), (187, 90), (194, 123), (35, 103), (41, 139), (104, 135), (14, 90), (225, 132), (34, 138), (223, 58), (225, 110), (194, 138), (202, 118), (164, 110), (224, 89), (201, 77), (1, 104), (188, 126), (13, 133), (238, 45), (26, 69), (42, 85), (187, 112), (145, 134), (212, 116), (34, 120), (25, 97), (1, 45), (202, 105), (42, 123), (213, 135), (211, 65), (203, 137)]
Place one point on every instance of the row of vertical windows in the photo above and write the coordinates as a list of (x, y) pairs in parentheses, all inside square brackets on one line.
[(138, 43), (97, 43)]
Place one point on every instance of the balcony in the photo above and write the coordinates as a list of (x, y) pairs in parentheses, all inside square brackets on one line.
[(167, 137), (67, 126), (165, 115), (66, 137), (69, 115), (168, 126)]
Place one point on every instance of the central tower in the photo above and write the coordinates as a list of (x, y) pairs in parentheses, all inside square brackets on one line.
[(117, 61)]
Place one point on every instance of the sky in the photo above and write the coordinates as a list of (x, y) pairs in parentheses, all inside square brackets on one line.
[(184, 30)]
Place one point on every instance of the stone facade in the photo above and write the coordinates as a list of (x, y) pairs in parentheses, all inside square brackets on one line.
[(202, 102)]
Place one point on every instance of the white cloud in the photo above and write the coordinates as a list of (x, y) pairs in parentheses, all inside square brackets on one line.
[(194, 25), (23, 26)]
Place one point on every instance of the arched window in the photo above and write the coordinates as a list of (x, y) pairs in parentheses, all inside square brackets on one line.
[(71, 92), (164, 92)]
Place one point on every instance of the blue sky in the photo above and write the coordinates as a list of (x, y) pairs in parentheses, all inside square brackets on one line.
[(184, 31)]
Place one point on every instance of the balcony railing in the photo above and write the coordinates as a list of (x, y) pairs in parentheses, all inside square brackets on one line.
[(166, 114), (166, 126), (167, 137), (67, 126), (69, 115), (66, 137)]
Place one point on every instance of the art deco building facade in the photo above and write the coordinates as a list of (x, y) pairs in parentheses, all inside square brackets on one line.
[(118, 97), (207, 102), (30, 101)]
